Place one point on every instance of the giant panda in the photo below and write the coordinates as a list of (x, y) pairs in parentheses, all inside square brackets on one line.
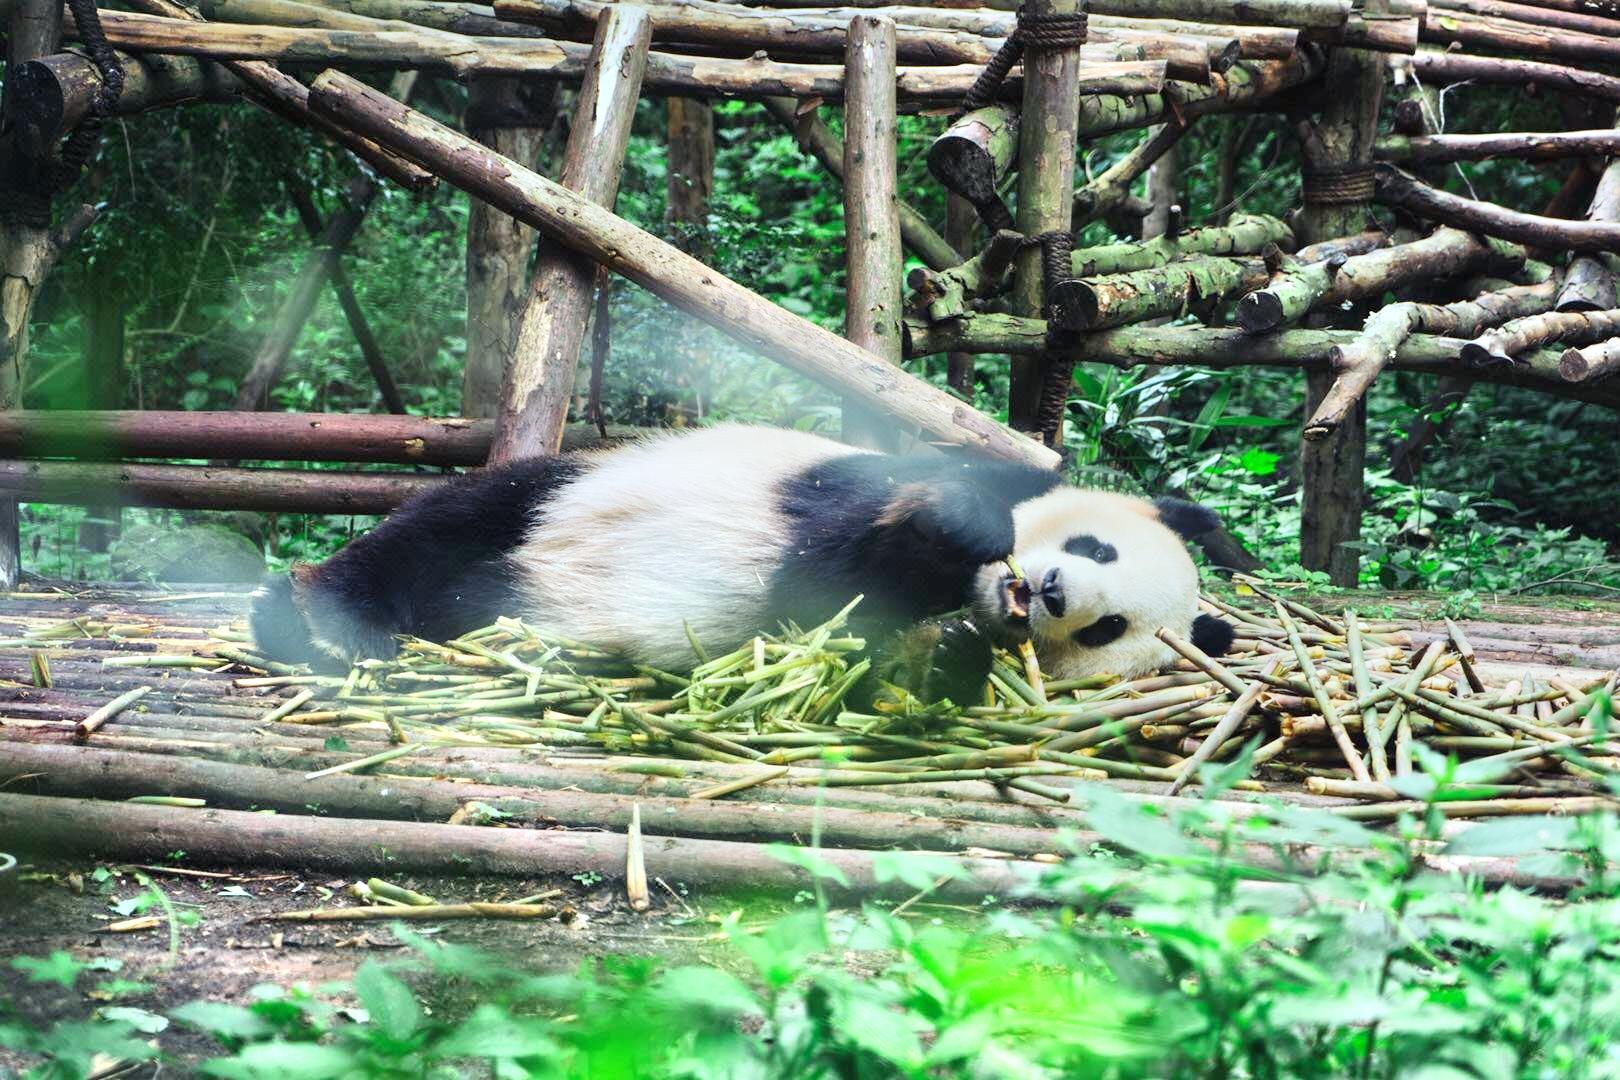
[(733, 530)]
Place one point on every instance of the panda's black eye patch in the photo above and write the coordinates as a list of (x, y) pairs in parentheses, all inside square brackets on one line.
[(1089, 547), (1106, 629)]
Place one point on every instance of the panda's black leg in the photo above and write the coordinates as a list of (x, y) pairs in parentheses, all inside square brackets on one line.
[(934, 661)]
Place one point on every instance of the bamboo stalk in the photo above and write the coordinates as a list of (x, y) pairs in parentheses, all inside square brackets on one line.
[(95, 720)]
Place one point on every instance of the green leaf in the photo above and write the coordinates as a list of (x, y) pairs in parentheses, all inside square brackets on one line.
[(808, 859), (222, 1020), (148, 1023), (1514, 836), (491, 1032), (285, 1061), (389, 1001), (917, 869), (60, 968), (709, 992), (880, 1031)]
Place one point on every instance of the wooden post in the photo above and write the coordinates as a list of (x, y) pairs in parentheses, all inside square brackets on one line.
[(1047, 131), (510, 116), (350, 303), (540, 379), (1337, 195), (104, 389), (872, 258), (690, 173), (580, 225), (26, 251), (962, 233)]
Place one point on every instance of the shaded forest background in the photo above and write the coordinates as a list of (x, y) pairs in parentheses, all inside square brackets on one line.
[(199, 242)]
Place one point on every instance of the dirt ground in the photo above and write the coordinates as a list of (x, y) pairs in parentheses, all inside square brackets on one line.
[(224, 952)]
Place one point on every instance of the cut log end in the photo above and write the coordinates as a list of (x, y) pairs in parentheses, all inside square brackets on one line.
[(1259, 313)]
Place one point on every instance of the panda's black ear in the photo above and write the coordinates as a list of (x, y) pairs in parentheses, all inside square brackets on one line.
[(1187, 518), (1213, 636)]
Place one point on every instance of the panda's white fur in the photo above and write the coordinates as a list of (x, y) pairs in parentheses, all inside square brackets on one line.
[(1152, 582), (672, 529)]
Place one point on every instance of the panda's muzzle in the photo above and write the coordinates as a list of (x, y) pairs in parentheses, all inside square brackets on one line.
[(1051, 594), (1015, 600)]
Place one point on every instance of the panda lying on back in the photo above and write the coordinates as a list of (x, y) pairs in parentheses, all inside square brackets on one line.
[(736, 529)]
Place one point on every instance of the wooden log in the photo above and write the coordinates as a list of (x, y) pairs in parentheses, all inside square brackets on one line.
[(468, 19), (667, 73), (201, 487), (282, 94), (1297, 290), (109, 436), (1398, 188), (1577, 19), (1313, 13), (131, 831), (1357, 366), (54, 92), (1501, 345), (1501, 35), (27, 251), (1374, 32), (872, 256), (1247, 234), (1192, 283), (1530, 146), (818, 140), (65, 771), (510, 116), (1246, 85), (948, 293), (545, 354), (288, 321), (1449, 68), (363, 336), (1046, 154), (972, 157), (1590, 281), (823, 37), (579, 224), (1591, 363)]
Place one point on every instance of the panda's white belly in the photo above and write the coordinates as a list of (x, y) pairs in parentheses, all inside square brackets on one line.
[(670, 531)]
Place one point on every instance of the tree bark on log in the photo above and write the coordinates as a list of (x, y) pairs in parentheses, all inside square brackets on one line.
[(465, 58), (1592, 363), (203, 487), (1500, 35), (948, 293), (1446, 68), (1247, 234), (1530, 146), (54, 92), (311, 219), (510, 116), (27, 251), (1296, 290), (818, 140), (131, 831), (1046, 152), (545, 352), (1313, 13), (1196, 282), (288, 322), (690, 175), (972, 156), (872, 257), (1590, 281), (1502, 345), (1246, 85), (1574, 18), (1397, 188), (283, 94), (671, 274)]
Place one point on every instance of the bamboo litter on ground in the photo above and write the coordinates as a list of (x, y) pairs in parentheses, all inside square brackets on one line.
[(1344, 707)]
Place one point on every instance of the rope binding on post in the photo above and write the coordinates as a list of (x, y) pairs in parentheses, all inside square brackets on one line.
[(1338, 185)]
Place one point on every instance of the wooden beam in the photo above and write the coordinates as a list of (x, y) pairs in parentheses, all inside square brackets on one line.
[(205, 487), (1398, 188), (581, 225), (545, 353)]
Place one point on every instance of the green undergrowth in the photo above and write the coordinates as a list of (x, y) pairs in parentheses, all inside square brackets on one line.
[(1209, 942)]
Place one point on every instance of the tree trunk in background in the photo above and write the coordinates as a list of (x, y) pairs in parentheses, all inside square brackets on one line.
[(962, 233), (26, 251), (1331, 469), (691, 175), (511, 118), (104, 389), (1164, 193)]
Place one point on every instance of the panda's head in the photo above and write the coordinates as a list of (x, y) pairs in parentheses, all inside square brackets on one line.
[(1104, 573)]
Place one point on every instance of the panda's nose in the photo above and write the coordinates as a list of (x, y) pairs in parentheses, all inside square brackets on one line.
[(1052, 594)]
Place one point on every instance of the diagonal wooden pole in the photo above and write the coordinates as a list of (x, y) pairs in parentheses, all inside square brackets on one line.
[(581, 225)]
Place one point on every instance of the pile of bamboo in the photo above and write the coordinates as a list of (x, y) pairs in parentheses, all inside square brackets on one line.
[(1337, 705)]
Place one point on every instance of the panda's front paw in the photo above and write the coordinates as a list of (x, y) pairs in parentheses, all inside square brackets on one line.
[(972, 526), (938, 660)]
